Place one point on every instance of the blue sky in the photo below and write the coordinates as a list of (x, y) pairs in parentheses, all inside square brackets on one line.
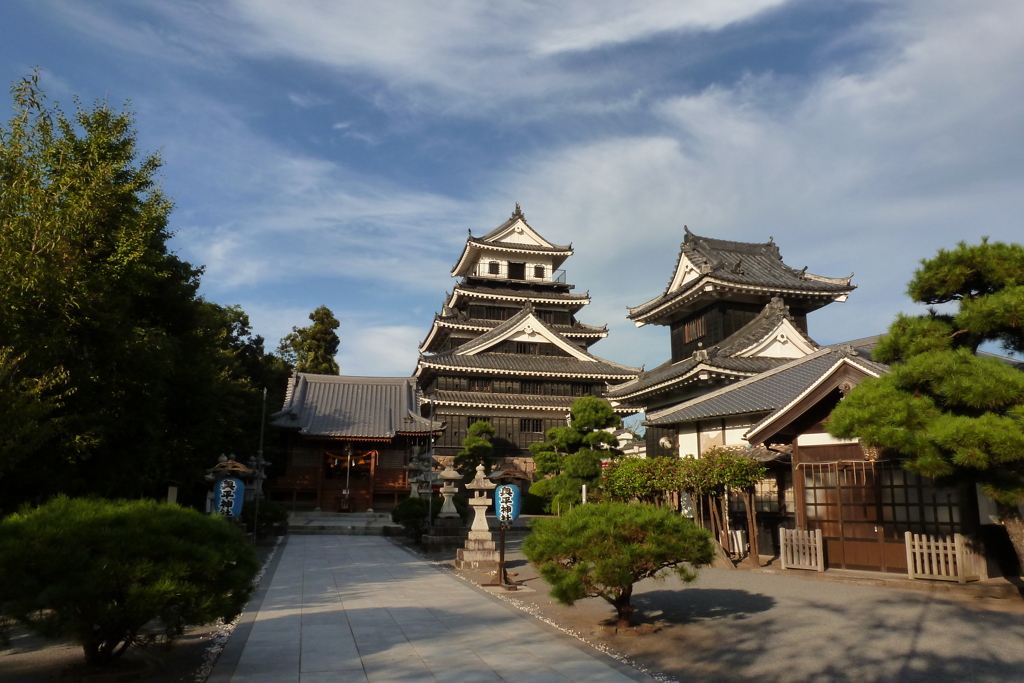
[(337, 152)]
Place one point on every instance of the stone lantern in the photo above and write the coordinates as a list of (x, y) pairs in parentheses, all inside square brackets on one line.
[(479, 551), (447, 530)]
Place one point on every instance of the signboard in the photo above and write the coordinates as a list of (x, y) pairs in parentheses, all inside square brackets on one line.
[(506, 502), (230, 493)]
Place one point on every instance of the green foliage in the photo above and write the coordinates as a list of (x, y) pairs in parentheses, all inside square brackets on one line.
[(476, 449), (571, 456), (142, 381), (313, 348), (412, 513), (603, 549), (98, 571), (272, 518), (25, 421), (951, 414), (644, 479)]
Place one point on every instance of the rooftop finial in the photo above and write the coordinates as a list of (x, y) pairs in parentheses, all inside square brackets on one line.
[(518, 213)]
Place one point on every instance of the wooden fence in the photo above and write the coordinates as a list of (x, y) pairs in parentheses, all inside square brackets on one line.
[(944, 558), (802, 549)]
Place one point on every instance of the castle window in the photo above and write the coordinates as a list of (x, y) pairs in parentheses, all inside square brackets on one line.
[(529, 388), (493, 268), (695, 329), (516, 271), (538, 272), (531, 425)]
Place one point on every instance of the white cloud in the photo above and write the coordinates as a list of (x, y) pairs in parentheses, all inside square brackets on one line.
[(385, 350), (867, 172)]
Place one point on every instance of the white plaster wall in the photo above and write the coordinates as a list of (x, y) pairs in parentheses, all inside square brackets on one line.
[(687, 440)]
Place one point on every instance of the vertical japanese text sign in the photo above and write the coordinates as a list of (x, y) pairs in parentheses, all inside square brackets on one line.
[(230, 493), (506, 502)]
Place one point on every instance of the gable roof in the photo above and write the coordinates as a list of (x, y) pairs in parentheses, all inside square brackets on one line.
[(769, 391), (706, 264), (744, 353), (474, 354), (514, 236), (352, 407)]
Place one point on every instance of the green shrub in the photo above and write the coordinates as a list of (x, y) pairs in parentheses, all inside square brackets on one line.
[(411, 513), (273, 518), (98, 571), (602, 549)]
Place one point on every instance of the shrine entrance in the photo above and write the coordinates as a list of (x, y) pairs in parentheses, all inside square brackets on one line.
[(863, 509)]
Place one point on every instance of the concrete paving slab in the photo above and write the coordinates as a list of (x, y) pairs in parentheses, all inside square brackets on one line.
[(360, 608)]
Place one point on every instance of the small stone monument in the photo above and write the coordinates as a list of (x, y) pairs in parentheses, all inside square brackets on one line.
[(447, 529), (479, 551)]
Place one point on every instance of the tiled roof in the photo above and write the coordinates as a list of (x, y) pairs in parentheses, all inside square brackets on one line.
[(719, 357), (576, 329), (480, 399), (517, 215), (668, 371), (745, 265), (757, 329), (355, 407), (511, 363), (582, 364), (481, 292), (763, 393)]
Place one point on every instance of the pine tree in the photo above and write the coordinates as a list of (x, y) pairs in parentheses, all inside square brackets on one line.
[(953, 415), (312, 348), (572, 455), (476, 449)]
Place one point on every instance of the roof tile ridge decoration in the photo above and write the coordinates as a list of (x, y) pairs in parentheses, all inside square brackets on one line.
[(709, 255), (658, 414), (517, 215), (774, 312)]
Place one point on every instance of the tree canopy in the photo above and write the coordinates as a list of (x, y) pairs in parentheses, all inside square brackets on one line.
[(476, 449), (951, 414), (312, 348), (602, 549), (122, 378), (571, 456), (99, 571)]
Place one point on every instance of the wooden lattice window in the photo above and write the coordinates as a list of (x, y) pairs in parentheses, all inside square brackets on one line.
[(494, 268), (695, 329), (532, 425), (538, 272)]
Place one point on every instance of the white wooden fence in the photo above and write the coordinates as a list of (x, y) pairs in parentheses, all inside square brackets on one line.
[(944, 558), (802, 549)]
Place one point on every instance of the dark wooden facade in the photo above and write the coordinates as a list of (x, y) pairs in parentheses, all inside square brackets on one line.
[(507, 347)]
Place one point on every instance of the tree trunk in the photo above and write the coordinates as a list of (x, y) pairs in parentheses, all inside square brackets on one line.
[(624, 608), (723, 535), (1009, 515), (748, 499)]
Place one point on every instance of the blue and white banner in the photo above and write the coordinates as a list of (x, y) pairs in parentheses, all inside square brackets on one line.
[(506, 502), (230, 493)]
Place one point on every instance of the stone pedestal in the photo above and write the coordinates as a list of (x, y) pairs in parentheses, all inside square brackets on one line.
[(445, 533), (479, 552)]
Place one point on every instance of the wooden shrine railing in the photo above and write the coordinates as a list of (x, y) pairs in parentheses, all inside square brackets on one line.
[(802, 549), (943, 558)]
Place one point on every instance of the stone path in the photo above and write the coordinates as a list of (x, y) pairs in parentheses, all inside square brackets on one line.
[(359, 608)]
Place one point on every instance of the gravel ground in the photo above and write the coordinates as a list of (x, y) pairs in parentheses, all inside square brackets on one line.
[(744, 626)]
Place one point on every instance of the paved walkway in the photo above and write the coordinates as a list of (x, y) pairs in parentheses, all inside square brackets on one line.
[(359, 608)]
